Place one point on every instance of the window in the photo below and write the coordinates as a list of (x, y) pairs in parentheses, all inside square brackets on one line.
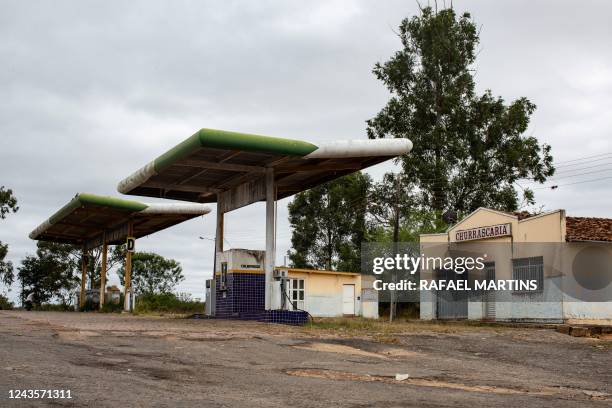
[(223, 282), (295, 290), (525, 269)]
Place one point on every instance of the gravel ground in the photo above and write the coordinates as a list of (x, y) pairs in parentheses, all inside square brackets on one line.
[(122, 360)]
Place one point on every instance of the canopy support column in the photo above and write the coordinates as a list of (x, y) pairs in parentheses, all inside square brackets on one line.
[(83, 277), (270, 244), (103, 271), (127, 301), (219, 231), (218, 250)]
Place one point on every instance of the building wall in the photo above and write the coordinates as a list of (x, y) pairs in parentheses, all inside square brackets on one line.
[(554, 303), (369, 298), (323, 291), (245, 294)]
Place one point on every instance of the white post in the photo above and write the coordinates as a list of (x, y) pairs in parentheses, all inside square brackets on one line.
[(270, 244), (218, 249)]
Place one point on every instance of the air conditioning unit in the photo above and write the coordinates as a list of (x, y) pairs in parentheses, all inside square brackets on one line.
[(280, 274)]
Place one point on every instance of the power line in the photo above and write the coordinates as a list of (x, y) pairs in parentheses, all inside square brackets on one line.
[(585, 158), (553, 187), (583, 162), (579, 174), (584, 168)]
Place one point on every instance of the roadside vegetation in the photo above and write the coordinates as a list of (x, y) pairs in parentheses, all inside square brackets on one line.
[(383, 331), (167, 303), (5, 304)]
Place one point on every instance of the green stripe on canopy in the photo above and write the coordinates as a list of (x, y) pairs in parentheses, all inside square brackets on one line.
[(105, 201), (221, 139)]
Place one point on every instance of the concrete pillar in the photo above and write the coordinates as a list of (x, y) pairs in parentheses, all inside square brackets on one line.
[(218, 249), (219, 231), (83, 277), (103, 271), (270, 239), (127, 306)]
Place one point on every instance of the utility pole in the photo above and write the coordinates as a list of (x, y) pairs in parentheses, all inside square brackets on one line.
[(396, 225)]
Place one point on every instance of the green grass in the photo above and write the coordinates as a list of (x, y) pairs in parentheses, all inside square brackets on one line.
[(110, 307), (385, 332), (54, 307), (166, 303)]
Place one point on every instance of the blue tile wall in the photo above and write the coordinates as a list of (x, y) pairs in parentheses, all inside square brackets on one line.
[(244, 299)]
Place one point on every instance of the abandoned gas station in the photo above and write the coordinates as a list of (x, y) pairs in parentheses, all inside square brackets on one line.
[(92, 221), (232, 170)]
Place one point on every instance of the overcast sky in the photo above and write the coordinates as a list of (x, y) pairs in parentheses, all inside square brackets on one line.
[(91, 91)]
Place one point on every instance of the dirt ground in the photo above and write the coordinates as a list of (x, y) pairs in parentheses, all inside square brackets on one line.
[(121, 360)]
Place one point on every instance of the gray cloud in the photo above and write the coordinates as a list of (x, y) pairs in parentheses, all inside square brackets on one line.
[(93, 90)]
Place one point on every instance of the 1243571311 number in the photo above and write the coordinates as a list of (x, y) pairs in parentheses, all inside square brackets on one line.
[(40, 394)]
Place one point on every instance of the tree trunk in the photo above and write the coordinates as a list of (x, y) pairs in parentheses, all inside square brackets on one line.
[(396, 220)]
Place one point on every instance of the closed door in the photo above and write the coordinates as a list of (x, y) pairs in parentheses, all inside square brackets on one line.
[(348, 299), (451, 304)]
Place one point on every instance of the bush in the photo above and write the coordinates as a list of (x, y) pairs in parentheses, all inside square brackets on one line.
[(89, 306), (54, 307), (5, 304), (110, 307), (166, 303)]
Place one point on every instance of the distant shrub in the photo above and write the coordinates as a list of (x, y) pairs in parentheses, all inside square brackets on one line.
[(110, 307), (5, 304), (166, 303), (54, 307), (89, 306)]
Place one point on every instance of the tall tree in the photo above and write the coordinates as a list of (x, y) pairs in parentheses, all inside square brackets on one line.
[(52, 273), (115, 259), (8, 204), (64, 263), (393, 210), (71, 256), (329, 224), (153, 274), (469, 149)]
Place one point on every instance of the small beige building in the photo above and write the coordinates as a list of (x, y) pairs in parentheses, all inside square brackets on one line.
[(570, 258), (238, 289)]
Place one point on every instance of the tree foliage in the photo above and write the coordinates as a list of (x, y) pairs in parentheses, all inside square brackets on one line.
[(153, 274), (64, 264), (52, 273), (329, 224), (391, 203), (469, 150), (8, 204)]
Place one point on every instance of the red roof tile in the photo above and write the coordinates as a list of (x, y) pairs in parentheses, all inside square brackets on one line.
[(588, 229)]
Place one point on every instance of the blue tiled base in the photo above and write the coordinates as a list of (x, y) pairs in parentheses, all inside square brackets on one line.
[(292, 317), (244, 299)]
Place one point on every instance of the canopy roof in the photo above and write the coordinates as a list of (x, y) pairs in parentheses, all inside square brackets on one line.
[(87, 218), (215, 161)]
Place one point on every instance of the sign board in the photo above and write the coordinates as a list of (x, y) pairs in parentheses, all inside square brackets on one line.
[(490, 231), (130, 244)]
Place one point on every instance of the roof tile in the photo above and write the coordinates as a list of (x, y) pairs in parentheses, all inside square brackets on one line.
[(588, 229)]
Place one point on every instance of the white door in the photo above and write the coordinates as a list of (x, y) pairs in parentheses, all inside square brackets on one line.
[(296, 294), (348, 300)]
